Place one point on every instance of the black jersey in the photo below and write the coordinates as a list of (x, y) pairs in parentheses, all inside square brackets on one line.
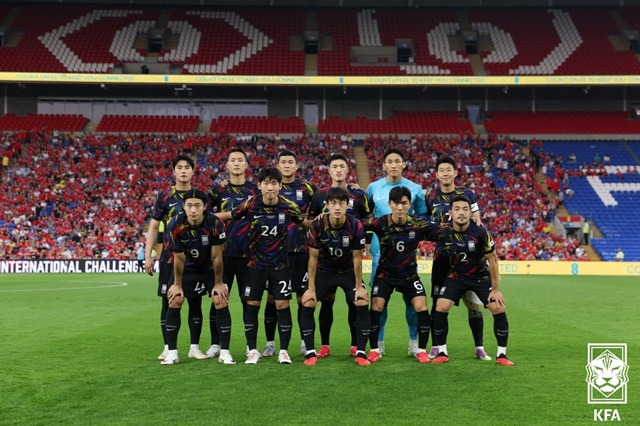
[(336, 245)]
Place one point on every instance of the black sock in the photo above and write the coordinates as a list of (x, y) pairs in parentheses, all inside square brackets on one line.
[(163, 319), (213, 327), (195, 319), (224, 327), (476, 323), (325, 320), (270, 321), (424, 328), (299, 314), (251, 325), (351, 318), (375, 325), (308, 327), (172, 326), (363, 327), (284, 325), (432, 318), (440, 328), (501, 328)]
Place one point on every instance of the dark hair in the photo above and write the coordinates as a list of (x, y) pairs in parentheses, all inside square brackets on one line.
[(287, 153), (335, 157), (445, 160), (237, 149), (398, 192), (459, 198), (390, 151), (337, 193), (183, 157), (196, 193), (269, 173)]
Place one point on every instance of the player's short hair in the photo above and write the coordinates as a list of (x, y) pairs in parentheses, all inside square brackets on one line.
[(237, 149), (335, 157), (397, 193), (460, 198), (269, 173), (196, 193), (390, 151), (446, 160), (337, 193), (287, 153), (183, 157)]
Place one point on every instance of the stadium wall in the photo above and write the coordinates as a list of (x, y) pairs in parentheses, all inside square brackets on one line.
[(424, 267)]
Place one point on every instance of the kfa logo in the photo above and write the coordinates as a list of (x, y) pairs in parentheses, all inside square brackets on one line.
[(345, 241), (299, 194), (281, 218), (607, 374), (205, 240)]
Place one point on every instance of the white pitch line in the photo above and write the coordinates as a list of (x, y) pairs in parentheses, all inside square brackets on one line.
[(118, 284)]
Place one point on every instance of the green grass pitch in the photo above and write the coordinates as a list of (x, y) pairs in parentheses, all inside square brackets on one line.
[(81, 349)]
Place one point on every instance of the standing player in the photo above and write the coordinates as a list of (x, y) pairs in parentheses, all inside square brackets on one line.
[(393, 164), (267, 265), (300, 192), (359, 206), (474, 267), (167, 205), (399, 235), (438, 202), (335, 244), (196, 239), (225, 198)]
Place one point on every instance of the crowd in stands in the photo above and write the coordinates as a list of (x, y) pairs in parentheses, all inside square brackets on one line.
[(513, 206), (68, 196)]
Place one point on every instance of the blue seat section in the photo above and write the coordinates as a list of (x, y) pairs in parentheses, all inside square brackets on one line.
[(618, 224)]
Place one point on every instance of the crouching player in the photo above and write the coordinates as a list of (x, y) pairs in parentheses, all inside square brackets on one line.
[(399, 235), (335, 241), (196, 239), (474, 267)]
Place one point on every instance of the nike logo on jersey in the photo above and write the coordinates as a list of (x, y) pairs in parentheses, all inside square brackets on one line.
[(173, 204), (449, 244), (438, 204), (225, 198), (257, 216)]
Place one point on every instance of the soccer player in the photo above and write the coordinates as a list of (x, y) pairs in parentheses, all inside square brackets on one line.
[(196, 239), (474, 267), (438, 202), (393, 164), (399, 235), (168, 205), (359, 206), (335, 244), (225, 198), (300, 192), (267, 266)]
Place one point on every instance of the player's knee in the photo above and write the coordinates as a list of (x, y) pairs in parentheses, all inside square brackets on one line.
[(419, 304), (282, 304), (176, 303), (377, 304), (219, 302), (309, 304), (495, 308), (444, 305)]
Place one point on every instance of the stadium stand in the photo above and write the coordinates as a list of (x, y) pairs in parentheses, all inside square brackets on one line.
[(411, 122), (77, 39), (603, 182), (61, 122), (561, 122), (147, 123), (243, 41), (260, 125)]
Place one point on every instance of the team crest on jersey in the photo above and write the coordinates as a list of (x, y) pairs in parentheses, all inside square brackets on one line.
[(350, 203), (281, 218), (299, 194), (345, 241), (223, 235), (412, 235), (205, 240), (472, 246)]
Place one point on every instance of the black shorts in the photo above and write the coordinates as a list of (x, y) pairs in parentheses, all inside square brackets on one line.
[(165, 278), (259, 280), (409, 287), (234, 267), (454, 290), (328, 283), (298, 271)]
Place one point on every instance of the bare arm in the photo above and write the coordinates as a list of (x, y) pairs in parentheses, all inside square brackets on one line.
[(152, 236), (361, 298), (224, 215), (312, 267)]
